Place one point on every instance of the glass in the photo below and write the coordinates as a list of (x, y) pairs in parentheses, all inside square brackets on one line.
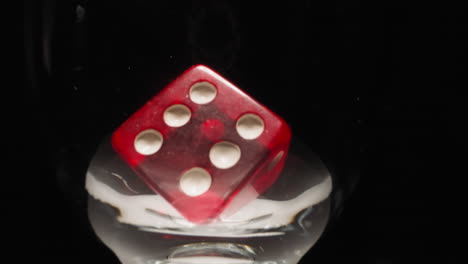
[(92, 65), (279, 226)]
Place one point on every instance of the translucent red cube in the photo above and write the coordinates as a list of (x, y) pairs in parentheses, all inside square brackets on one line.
[(204, 145)]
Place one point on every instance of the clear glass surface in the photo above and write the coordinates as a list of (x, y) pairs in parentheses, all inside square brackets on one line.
[(279, 226)]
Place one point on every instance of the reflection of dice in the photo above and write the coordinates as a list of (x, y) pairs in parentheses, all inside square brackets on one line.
[(204, 145)]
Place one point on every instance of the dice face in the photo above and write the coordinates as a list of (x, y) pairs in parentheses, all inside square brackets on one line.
[(204, 145)]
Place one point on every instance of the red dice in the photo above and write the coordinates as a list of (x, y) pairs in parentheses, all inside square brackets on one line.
[(204, 145)]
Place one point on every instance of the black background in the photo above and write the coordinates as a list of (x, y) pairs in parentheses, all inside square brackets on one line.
[(369, 86)]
